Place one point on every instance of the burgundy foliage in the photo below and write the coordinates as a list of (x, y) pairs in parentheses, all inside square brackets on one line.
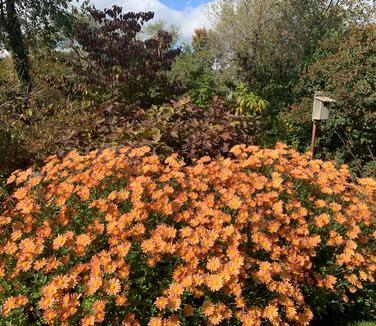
[(117, 58), (180, 127)]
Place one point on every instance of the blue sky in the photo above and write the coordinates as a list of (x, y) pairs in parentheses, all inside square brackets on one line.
[(181, 4), (186, 14)]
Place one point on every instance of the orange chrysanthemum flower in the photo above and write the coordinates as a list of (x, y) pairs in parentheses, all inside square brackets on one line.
[(88, 321), (271, 312), (113, 286), (213, 264), (121, 300), (155, 321), (161, 303), (49, 316), (322, 220), (59, 241), (46, 302), (208, 308), (93, 285), (99, 306), (188, 310), (214, 282)]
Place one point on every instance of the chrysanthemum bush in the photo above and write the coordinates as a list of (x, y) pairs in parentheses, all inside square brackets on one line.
[(120, 238)]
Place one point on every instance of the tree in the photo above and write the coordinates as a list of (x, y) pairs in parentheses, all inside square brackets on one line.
[(269, 42), (195, 70), (117, 58), (151, 30), (345, 67), (22, 19)]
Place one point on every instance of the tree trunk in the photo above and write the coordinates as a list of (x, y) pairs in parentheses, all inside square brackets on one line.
[(17, 45)]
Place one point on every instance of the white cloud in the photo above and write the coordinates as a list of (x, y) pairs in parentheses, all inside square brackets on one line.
[(187, 19)]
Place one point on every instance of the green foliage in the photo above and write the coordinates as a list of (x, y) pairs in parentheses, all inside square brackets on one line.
[(330, 311), (3, 189), (28, 133), (247, 102), (152, 29), (205, 90), (23, 22), (8, 80), (195, 71), (268, 43), (344, 67)]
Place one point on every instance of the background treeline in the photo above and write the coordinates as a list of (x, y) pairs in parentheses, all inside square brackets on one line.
[(83, 78)]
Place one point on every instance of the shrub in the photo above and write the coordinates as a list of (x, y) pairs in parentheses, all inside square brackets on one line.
[(247, 102), (120, 237), (30, 124), (3, 190), (12, 149), (205, 90), (181, 127)]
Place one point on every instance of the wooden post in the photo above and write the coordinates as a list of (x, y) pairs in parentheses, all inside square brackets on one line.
[(320, 112), (313, 138)]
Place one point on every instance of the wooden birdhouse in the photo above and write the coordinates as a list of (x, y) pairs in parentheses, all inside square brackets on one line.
[(320, 106)]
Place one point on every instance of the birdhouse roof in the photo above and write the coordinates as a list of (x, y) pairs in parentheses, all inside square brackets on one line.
[(324, 98)]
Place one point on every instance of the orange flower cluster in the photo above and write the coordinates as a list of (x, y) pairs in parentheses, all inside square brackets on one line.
[(246, 235), (14, 302)]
